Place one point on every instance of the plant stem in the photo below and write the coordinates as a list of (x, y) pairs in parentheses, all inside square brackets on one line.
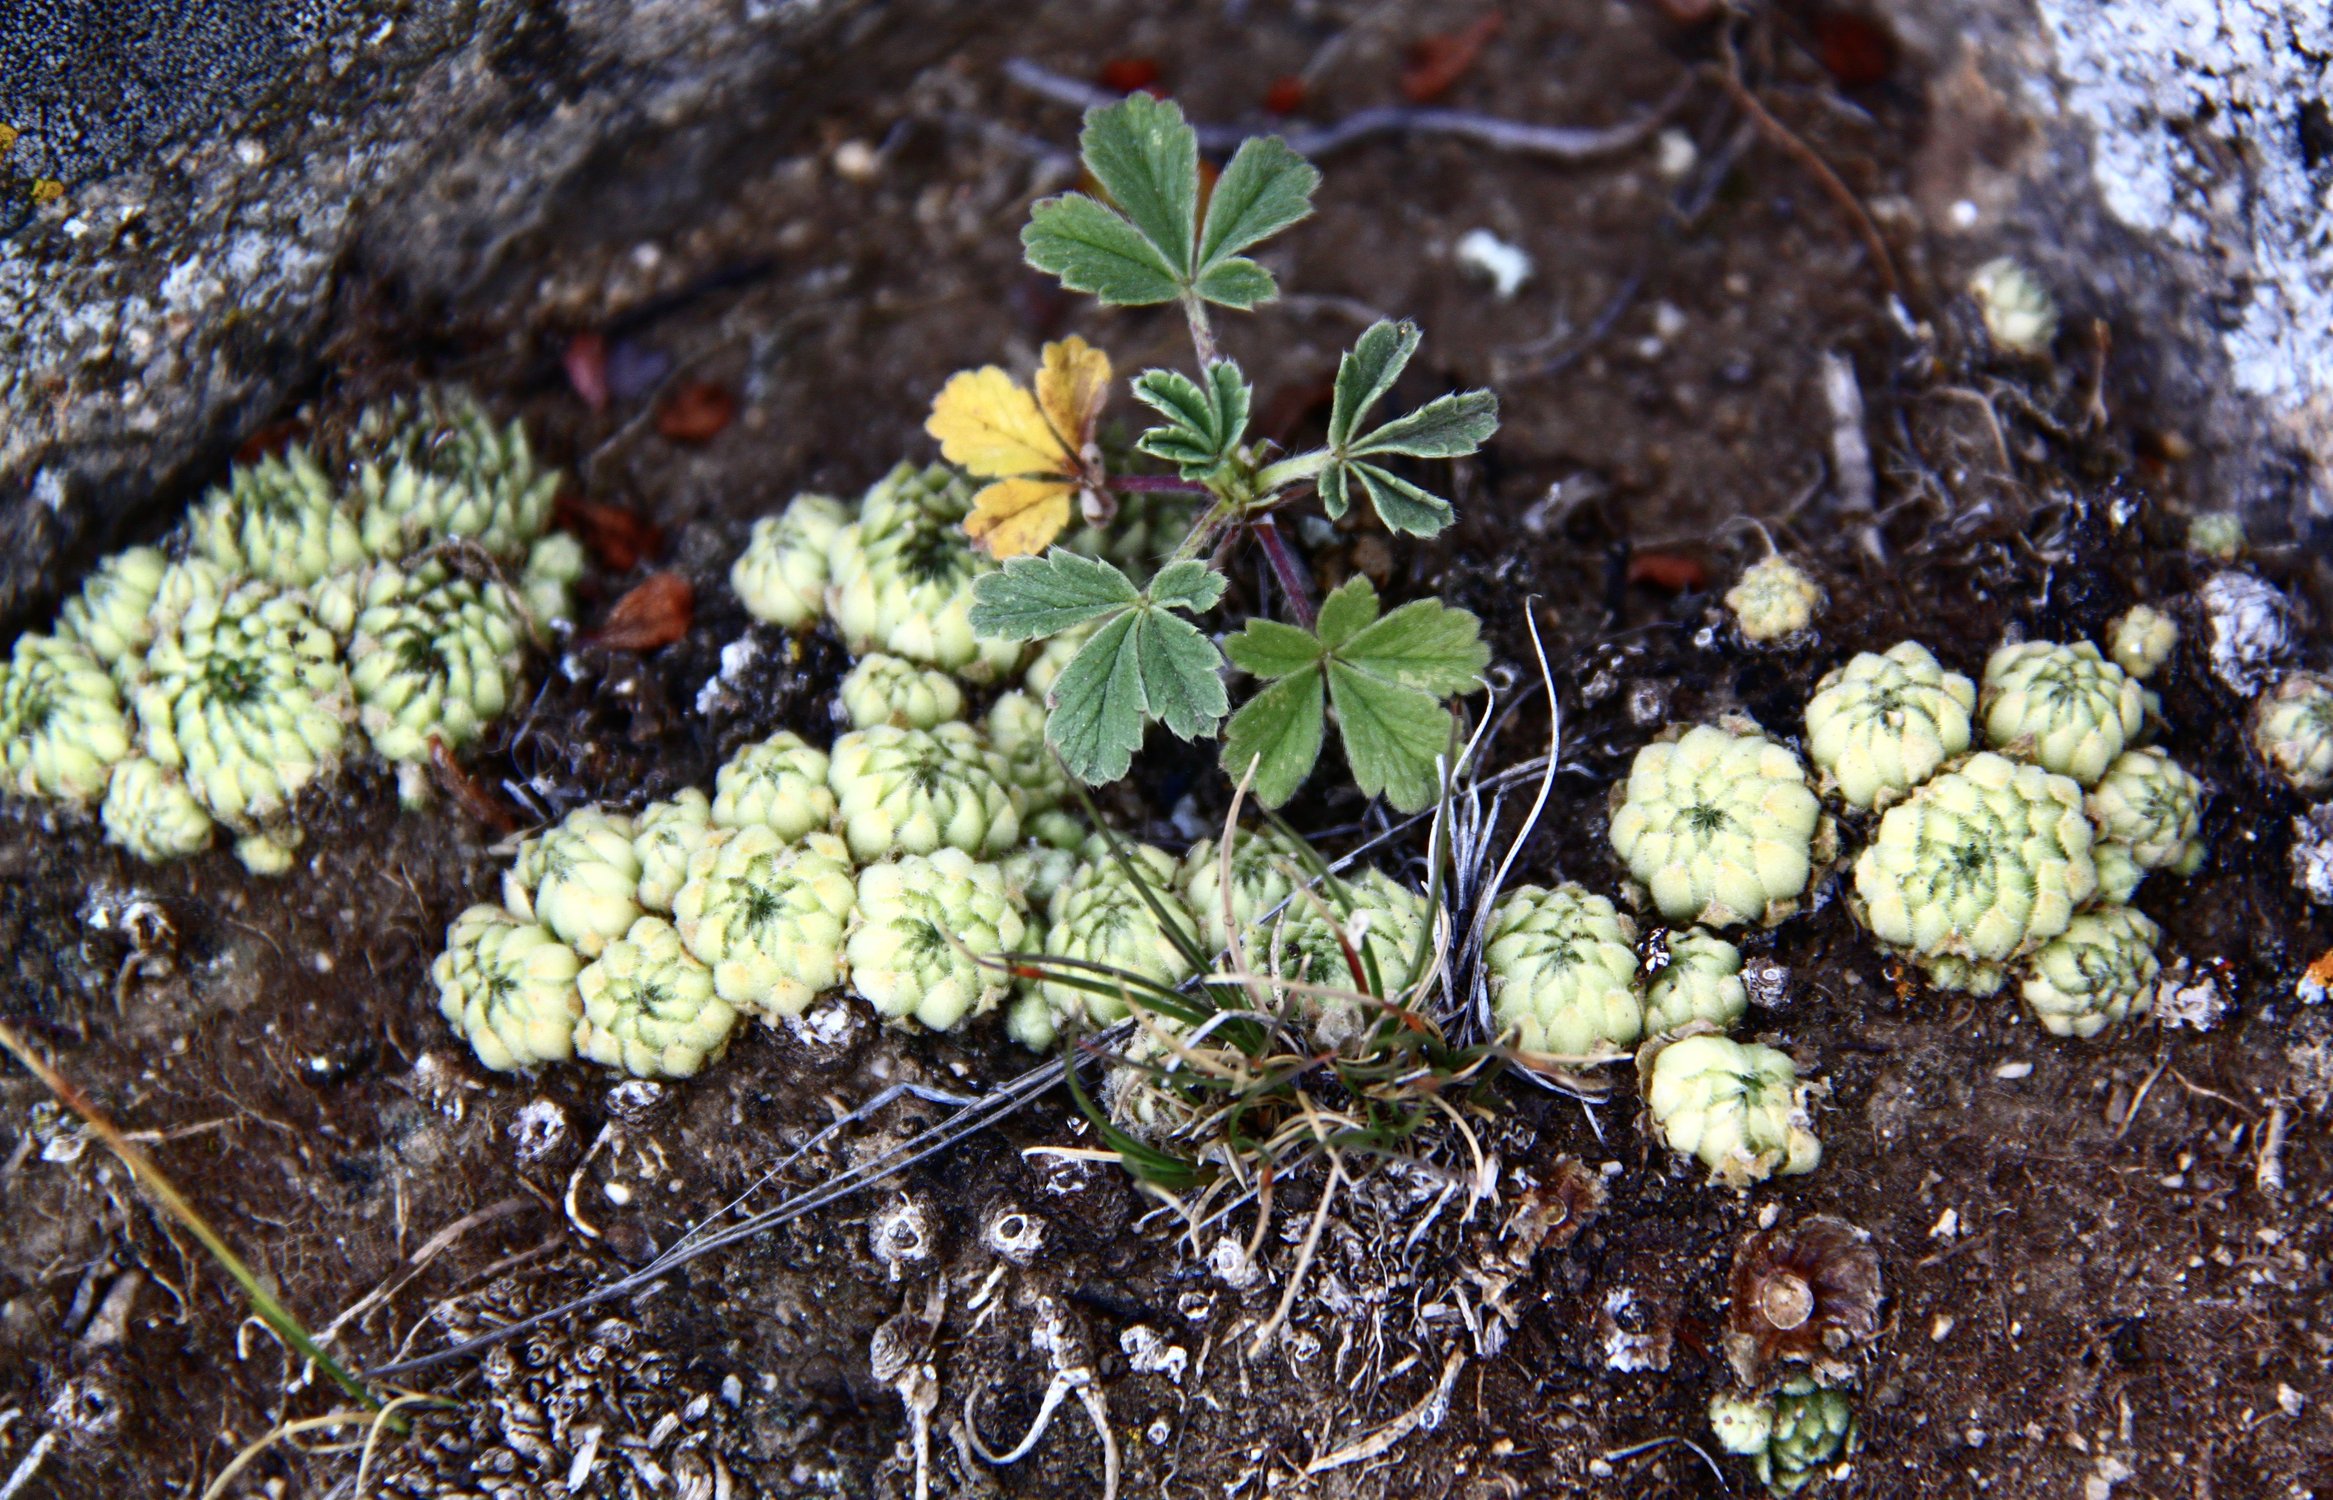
[(1156, 484), (1284, 567), (1289, 471), (1202, 333), (1204, 529)]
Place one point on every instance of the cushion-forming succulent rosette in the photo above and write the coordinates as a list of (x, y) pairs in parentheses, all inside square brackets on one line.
[(1721, 828), (1978, 868)]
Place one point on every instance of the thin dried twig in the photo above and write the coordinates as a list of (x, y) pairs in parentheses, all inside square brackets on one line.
[(1328, 1194), (1554, 142), (1806, 156)]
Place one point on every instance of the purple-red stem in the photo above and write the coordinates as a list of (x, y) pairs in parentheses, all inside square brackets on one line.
[(1293, 583), (1156, 484)]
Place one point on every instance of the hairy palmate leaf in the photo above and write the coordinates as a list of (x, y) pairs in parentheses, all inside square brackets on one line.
[(1203, 422), (1150, 242), (1386, 678), (1142, 662), (1448, 427)]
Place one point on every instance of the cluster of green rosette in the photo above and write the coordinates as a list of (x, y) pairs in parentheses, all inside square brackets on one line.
[(382, 596), (2014, 857), (898, 864)]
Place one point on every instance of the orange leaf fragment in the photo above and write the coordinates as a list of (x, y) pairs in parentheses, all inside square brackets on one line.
[(1286, 95), (620, 539), (1126, 74), (1670, 572), (586, 360), (696, 412), (1438, 61), (654, 613)]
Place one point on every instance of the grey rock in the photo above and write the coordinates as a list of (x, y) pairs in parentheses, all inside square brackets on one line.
[(226, 164)]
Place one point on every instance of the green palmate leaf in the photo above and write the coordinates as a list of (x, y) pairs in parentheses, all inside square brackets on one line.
[(1030, 598), (1401, 505), (1237, 283), (1203, 422), (1147, 244), (1366, 373), (1189, 584), (1266, 188), (1278, 731), (1094, 250), (1267, 648), (1447, 427), (1097, 715), (1180, 685), (1143, 662), (1147, 159), (1392, 736), (1424, 645), (1386, 679), (1347, 611)]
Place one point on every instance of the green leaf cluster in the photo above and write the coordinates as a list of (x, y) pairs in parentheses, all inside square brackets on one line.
[(1385, 676), (1142, 662), (1204, 423), (1449, 427), (1150, 242), (1148, 235)]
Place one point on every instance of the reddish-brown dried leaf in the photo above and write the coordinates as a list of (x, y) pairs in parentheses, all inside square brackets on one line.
[(1436, 62), (270, 441), (464, 788), (696, 412), (1126, 74), (655, 613), (1670, 572), (1286, 95), (586, 360), (618, 538), (1855, 50)]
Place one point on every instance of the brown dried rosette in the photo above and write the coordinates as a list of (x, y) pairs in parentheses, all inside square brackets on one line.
[(1805, 1293)]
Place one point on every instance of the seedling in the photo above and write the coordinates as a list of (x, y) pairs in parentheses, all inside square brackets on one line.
[(1148, 238)]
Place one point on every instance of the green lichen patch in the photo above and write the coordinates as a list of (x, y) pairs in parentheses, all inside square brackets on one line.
[(1737, 1106), (781, 575), (649, 1007), (509, 986), (2292, 728), (923, 924), (62, 728), (769, 916), (1563, 972), (911, 791), (2099, 972)]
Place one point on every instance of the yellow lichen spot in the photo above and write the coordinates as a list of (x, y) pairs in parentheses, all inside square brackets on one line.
[(7, 139), (47, 190)]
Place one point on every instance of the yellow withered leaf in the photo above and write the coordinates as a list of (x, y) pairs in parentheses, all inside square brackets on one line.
[(1033, 446), (1072, 385), (1019, 517), (988, 426)]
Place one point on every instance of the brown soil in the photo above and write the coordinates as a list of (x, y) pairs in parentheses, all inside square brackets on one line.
[(2122, 1302)]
